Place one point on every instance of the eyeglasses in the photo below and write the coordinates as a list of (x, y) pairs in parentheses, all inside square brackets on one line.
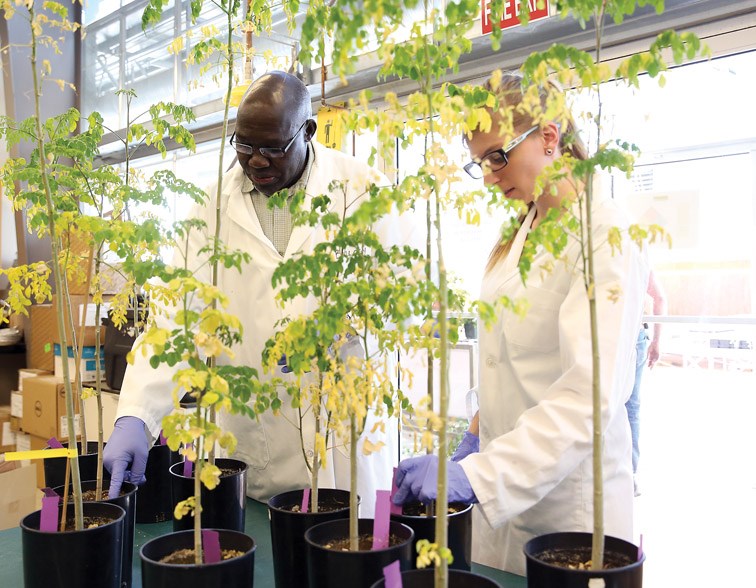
[(267, 152), (496, 160)]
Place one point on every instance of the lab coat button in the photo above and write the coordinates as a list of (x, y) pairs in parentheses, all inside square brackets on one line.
[(310, 453), (490, 362)]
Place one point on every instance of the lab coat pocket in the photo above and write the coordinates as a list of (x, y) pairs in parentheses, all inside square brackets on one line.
[(538, 330)]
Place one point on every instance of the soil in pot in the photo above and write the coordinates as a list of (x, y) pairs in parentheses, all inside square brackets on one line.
[(623, 564), (579, 558), (186, 556), (364, 542)]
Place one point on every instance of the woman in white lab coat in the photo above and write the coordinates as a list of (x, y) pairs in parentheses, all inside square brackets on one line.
[(533, 473)]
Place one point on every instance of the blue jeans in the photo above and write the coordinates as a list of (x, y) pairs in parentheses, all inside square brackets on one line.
[(633, 403)]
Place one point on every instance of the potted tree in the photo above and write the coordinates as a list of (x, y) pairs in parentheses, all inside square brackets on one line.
[(579, 227), (339, 352), (49, 200)]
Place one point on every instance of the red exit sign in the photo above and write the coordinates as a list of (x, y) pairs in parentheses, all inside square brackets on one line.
[(511, 16)]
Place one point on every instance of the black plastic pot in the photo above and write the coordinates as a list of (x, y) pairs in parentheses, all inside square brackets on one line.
[(230, 573), (127, 501), (457, 579), (118, 342), (459, 534), (55, 467), (154, 501), (287, 531), (328, 568), (90, 558), (471, 330), (223, 507), (544, 575)]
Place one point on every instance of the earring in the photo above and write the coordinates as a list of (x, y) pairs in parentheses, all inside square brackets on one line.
[(549, 151)]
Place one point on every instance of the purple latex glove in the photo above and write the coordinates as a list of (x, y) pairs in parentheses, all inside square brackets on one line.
[(126, 446), (470, 444), (417, 479)]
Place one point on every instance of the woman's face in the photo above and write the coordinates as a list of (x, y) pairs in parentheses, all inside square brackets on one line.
[(526, 160)]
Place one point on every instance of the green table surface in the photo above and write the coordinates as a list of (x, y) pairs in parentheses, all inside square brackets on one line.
[(257, 526)]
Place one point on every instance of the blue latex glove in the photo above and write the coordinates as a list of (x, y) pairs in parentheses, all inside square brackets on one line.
[(417, 479), (470, 444), (126, 446)]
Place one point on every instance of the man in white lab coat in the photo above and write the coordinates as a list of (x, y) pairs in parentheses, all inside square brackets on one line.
[(273, 141)]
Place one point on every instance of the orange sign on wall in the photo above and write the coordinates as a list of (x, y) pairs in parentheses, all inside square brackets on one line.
[(511, 15)]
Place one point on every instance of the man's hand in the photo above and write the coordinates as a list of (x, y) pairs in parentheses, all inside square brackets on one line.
[(127, 446), (417, 479), (470, 444)]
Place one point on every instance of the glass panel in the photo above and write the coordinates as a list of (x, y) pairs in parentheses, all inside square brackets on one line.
[(101, 65)]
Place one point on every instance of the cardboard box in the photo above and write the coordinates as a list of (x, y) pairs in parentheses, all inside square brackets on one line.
[(44, 401), (109, 409), (18, 493), (15, 424), (24, 373), (43, 331), (87, 364), (7, 436), (36, 443)]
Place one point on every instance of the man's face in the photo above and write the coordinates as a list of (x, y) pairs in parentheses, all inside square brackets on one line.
[(265, 126)]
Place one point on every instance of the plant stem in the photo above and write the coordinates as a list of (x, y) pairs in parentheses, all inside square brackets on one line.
[(597, 547), (353, 514)]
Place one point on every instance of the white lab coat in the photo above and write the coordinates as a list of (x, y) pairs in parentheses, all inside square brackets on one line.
[(271, 445), (534, 472)]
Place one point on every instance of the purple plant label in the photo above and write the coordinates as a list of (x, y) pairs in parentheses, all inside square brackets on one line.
[(382, 519), (163, 440), (392, 575), (395, 508), (188, 464), (53, 443), (305, 500), (49, 492), (211, 551), (48, 520)]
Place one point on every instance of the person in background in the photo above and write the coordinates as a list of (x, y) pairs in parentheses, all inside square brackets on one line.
[(533, 473), (645, 350), (274, 146)]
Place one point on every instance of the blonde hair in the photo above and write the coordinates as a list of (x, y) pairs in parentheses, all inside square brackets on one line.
[(510, 94)]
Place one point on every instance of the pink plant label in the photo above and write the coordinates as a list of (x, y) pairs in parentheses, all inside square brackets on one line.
[(163, 440), (395, 508), (211, 551), (382, 519), (50, 492), (48, 519), (53, 443), (392, 575), (305, 500)]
